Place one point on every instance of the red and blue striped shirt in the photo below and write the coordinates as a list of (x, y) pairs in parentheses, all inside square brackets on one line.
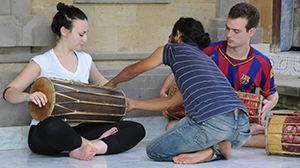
[(244, 75)]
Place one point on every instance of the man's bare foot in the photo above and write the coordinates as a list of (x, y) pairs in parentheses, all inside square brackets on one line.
[(109, 132), (257, 129), (192, 158), (224, 148), (83, 153)]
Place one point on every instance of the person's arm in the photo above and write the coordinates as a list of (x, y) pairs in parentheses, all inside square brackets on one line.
[(165, 90), (268, 104), (158, 104), (166, 85), (96, 77), (133, 70), (14, 90)]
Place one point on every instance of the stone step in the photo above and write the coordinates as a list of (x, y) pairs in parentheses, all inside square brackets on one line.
[(288, 87)]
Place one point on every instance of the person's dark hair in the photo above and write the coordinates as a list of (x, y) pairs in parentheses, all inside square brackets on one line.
[(245, 10), (65, 16), (192, 30)]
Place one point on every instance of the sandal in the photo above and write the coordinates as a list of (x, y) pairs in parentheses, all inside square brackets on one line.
[(216, 155)]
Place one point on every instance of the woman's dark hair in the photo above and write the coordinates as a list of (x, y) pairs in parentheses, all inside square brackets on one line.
[(65, 16), (192, 30), (245, 10)]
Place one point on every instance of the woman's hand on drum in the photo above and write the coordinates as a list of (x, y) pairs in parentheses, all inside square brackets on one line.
[(37, 98)]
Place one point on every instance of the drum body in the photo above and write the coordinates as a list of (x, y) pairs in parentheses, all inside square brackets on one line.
[(179, 112), (253, 103), (283, 134), (77, 102)]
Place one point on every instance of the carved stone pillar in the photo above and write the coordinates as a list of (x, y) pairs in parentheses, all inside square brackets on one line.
[(20, 29)]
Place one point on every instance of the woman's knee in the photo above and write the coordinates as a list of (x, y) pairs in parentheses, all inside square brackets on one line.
[(136, 128), (50, 126)]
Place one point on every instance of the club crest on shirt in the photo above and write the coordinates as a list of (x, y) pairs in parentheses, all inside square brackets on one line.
[(271, 73), (244, 79)]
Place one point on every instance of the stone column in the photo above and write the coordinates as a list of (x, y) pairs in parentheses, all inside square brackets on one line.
[(296, 26), (18, 28), (217, 25)]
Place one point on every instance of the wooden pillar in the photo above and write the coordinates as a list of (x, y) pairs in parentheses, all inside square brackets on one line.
[(276, 20)]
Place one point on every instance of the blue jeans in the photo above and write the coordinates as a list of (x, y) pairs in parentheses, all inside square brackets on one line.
[(188, 136)]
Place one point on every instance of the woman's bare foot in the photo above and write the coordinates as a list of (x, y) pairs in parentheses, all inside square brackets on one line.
[(224, 148), (109, 132), (192, 158), (85, 152)]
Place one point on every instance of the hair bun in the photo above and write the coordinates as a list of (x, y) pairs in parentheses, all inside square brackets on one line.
[(61, 6)]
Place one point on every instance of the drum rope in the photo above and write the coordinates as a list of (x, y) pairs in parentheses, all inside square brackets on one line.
[(85, 102), (100, 94), (87, 113)]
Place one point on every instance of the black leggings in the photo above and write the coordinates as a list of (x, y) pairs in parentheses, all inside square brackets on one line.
[(53, 136)]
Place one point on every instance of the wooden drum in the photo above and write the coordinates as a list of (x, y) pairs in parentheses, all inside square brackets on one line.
[(253, 103), (282, 135), (77, 102)]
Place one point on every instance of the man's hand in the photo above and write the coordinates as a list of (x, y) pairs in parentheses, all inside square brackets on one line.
[(130, 104), (266, 107), (110, 84)]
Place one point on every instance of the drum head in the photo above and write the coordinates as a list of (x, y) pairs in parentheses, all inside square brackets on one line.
[(45, 86)]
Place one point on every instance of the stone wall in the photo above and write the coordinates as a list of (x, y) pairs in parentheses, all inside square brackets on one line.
[(289, 92), (130, 27)]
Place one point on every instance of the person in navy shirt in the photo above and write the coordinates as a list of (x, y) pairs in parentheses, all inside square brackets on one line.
[(247, 69), (216, 116)]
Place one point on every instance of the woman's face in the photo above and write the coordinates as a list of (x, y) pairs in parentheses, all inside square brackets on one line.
[(78, 35)]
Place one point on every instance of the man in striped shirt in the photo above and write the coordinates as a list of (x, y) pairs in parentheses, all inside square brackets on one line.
[(215, 113), (245, 67)]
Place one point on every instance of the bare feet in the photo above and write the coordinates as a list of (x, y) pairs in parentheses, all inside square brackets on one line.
[(109, 132), (85, 152), (257, 129), (192, 158), (224, 148)]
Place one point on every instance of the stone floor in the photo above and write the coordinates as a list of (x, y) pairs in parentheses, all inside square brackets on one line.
[(136, 157)]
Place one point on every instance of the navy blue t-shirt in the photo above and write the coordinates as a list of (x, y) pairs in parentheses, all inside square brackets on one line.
[(205, 90)]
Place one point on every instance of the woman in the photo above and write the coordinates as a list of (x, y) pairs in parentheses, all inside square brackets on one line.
[(52, 135)]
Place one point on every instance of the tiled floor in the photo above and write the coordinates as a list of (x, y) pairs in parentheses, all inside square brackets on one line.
[(136, 157)]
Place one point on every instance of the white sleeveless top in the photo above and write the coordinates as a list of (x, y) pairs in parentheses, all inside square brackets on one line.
[(52, 68)]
